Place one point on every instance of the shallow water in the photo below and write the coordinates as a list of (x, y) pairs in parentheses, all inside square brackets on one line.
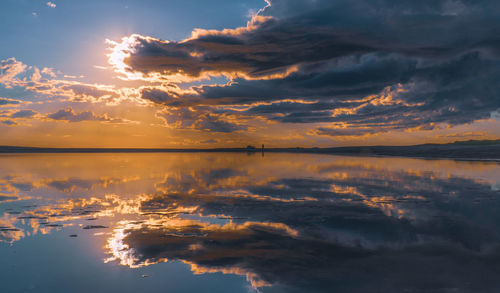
[(235, 222)]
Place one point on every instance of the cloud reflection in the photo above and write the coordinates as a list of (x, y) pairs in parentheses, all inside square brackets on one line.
[(286, 222)]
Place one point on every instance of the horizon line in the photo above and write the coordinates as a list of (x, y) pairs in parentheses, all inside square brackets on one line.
[(247, 148)]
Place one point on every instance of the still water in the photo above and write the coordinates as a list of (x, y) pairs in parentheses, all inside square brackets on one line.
[(235, 222)]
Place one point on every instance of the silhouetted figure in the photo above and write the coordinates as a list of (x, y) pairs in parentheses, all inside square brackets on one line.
[(262, 149)]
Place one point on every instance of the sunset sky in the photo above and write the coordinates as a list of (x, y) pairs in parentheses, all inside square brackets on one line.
[(285, 73)]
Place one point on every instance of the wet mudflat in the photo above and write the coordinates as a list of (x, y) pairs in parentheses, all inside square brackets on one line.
[(236, 222)]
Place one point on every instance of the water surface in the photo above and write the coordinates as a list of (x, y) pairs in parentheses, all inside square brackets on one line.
[(232, 222)]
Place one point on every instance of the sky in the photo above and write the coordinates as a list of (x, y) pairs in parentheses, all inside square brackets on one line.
[(228, 73)]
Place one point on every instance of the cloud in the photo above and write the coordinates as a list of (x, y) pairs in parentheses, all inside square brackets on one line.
[(86, 92), (66, 114), (8, 122), (209, 141), (439, 60), (462, 135), (329, 68), (9, 69), (275, 39), (200, 119), (8, 102), (44, 84), (51, 4), (347, 131), (69, 115), (23, 114)]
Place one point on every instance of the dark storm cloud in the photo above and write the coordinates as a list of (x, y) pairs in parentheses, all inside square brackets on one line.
[(304, 32), (454, 91), (356, 77), (445, 54)]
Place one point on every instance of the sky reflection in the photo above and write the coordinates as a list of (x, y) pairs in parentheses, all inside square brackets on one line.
[(286, 223)]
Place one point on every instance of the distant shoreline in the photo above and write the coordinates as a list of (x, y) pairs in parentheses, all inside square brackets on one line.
[(472, 150)]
